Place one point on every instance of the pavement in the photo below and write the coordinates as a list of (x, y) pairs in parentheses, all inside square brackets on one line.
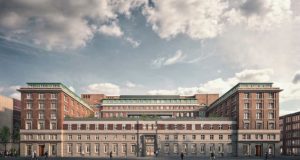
[(155, 158)]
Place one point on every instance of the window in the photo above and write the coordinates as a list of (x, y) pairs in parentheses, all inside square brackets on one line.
[(28, 115), (271, 115), (175, 137), (221, 148), (69, 137), (53, 115), (54, 96), (124, 137), (28, 150), (271, 95), (133, 147), (115, 148), (124, 148), (220, 137), (202, 148), (41, 96), (193, 137), (211, 148), (53, 137), (246, 95), (88, 137), (97, 148), (167, 137), (271, 125), (271, 136), (69, 148), (259, 126), (105, 137), (66, 98), (41, 125), (259, 136), (66, 108), (202, 137), (41, 137), (246, 125), (175, 148), (41, 105), (79, 136), (193, 148), (183, 137), (258, 105), (133, 137), (184, 149), (246, 136), (259, 115), (258, 95), (229, 137), (53, 125), (28, 96), (246, 115), (105, 148), (29, 105), (211, 137), (53, 105), (246, 105), (79, 148), (88, 148), (271, 106), (28, 125), (97, 137)]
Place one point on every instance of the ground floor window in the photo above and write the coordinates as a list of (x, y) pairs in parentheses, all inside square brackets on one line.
[(202, 148), (53, 149), (97, 146), (115, 148), (133, 147), (124, 148), (69, 148), (193, 148), (246, 149), (28, 149), (184, 148), (106, 148), (212, 148), (167, 148), (175, 148)]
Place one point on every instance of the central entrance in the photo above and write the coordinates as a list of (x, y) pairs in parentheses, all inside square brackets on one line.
[(149, 145)]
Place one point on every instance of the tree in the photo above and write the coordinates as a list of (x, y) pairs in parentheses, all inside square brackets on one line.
[(16, 133), (5, 135)]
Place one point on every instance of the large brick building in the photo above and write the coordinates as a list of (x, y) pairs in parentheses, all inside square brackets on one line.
[(290, 134), (138, 125)]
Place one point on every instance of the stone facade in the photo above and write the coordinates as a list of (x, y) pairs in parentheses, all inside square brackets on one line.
[(242, 122)]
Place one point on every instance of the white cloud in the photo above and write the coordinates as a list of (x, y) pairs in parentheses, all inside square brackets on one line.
[(202, 19), (163, 61), (103, 88), (220, 85), (11, 91), (195, 18), (130, 84), (133, 42), (62, 25), (111, 30)]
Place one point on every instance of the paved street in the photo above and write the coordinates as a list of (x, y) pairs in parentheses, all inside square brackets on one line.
[(160, 158)]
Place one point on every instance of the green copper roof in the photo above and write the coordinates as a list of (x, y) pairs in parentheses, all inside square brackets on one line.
[(150, 101), (58, 85)]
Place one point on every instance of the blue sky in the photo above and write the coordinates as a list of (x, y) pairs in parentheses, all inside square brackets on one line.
[(151, 47)]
